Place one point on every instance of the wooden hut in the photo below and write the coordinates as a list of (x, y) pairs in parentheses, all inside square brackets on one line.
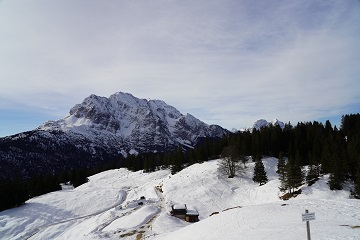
[(192, 216), (179, 210)]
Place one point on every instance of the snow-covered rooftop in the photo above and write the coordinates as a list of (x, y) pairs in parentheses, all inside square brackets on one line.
[(179, 206), (192, 212)]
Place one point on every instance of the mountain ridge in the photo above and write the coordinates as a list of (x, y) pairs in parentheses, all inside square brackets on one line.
[(264, 123), (134, 122), (101, 129)]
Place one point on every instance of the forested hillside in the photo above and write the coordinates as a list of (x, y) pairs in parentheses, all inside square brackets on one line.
[(323, 148)]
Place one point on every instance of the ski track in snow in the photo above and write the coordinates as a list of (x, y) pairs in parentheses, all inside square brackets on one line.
[(33, 232)]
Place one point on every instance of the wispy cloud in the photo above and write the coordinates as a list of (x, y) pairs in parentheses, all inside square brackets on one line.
[(225, 62)]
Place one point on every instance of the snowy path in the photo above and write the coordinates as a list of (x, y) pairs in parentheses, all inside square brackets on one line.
[(33, 232), (161, 205), (137, 222)]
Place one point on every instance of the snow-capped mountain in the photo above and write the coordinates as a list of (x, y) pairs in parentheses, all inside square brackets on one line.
[(103, 128), (263, 123), (127, 122), (279, 123)]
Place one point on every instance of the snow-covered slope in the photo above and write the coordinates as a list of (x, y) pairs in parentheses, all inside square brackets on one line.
[(263, 123), (132, 123), (244, 209)]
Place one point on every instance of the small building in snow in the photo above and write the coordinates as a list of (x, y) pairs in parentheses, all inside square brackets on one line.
[(178, 210), (192, 216), (181, 211)]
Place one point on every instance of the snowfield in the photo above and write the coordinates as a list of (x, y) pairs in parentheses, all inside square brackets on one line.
[(135, 205)]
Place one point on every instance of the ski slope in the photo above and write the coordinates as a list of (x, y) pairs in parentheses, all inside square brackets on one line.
[(107, 207)]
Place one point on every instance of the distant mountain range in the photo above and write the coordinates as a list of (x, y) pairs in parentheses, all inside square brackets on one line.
[(100, 129), (263, 123)]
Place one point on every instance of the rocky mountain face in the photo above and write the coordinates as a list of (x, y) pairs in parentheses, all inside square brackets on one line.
[(100, 129), (263, 123)]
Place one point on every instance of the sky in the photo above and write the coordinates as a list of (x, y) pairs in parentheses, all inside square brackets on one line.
[(227, 62)]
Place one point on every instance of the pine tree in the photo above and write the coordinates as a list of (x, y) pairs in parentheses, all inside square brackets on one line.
[(326, 155), (314, 172), (282, 172), (259, 172), (337, 165), (166, 160), (336, 177), (177, 161), (281, 163), (357, 182), (295, 175), (79, 177), (147, 165)]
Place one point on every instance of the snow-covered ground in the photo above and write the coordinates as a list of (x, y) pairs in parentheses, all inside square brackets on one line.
[(110, 206)]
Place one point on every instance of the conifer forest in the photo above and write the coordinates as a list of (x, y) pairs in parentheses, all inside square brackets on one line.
[(305, 152)]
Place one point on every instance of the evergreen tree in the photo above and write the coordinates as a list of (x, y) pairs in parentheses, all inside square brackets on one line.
[(147, 167), (13, 193), (357, 182), (281, 170), (326, 156), (177, 161), (350, 126), (191, 156), (337, 166), (281, 164), (294, 176), (337, 177), (166, 160), (200, 154), (314, 172), (259, 172), (79, 177)]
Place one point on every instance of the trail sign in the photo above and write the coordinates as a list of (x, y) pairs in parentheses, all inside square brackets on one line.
[(308, 216)]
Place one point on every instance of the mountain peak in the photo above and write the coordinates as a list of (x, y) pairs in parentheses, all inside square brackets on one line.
[(263, 123), (277, 122), (133, 123)]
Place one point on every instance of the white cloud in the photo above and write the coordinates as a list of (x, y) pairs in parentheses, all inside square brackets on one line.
[(226, 62)]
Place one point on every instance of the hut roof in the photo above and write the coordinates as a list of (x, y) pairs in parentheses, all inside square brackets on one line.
[(179, 206), (192, 212)]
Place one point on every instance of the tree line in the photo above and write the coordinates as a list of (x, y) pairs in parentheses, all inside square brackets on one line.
[(323, 148), (305, 152), (15, 192)]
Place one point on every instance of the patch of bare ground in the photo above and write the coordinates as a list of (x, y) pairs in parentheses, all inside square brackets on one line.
[(140, 235), (159, 188), (128, 234), (145, 230), (232, 208), (352, 226), (214, 213), (287, 196)]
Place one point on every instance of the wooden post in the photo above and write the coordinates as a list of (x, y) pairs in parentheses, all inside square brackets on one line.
[(308, 227)]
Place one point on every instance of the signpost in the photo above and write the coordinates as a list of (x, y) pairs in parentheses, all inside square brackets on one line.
[(308, 217)]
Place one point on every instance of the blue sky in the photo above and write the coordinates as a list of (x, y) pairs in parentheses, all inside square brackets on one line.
[(226, 62)]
